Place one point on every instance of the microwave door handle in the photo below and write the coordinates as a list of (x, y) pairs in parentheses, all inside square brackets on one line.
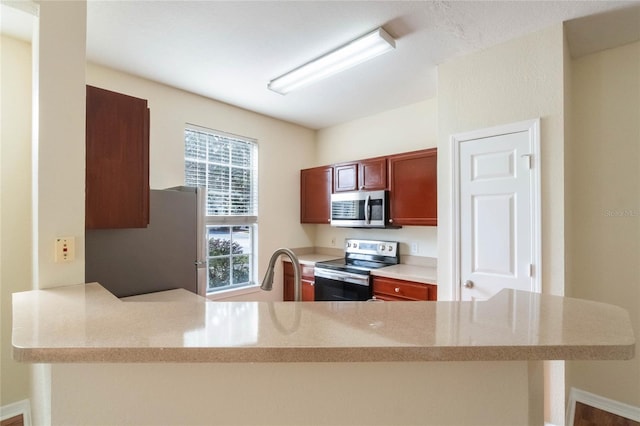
[(367, 207)]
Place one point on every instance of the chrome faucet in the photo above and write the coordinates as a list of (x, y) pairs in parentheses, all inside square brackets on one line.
[(267, 281)]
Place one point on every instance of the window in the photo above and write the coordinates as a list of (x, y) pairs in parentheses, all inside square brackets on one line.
[(226, 166)]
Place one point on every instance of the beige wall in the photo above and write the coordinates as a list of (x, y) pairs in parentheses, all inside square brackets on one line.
[(335, 393), (603, 192), (15, 203), (403, 129), (518, 80), (279, 181), (515, 81)]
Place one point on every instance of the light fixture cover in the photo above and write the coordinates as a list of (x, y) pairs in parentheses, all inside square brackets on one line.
[(355, 52)]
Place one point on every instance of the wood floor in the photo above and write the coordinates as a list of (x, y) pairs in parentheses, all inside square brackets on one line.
[(586, 415), (13, 421)]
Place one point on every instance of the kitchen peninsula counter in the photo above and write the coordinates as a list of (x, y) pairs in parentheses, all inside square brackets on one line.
[(85, 323)]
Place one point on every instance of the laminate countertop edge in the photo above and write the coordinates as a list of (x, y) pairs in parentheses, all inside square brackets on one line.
[(86, 324)]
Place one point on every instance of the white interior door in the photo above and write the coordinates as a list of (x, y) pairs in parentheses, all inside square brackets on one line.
[(497, 210)]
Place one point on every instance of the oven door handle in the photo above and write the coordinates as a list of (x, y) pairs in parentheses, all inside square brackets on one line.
[(342, 276)]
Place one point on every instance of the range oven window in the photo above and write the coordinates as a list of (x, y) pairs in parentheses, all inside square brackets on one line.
[(327, 289)]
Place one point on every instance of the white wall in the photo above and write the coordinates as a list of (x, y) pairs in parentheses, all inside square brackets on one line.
[(603, 192), (58, 139), (409, 128), (15, 203)]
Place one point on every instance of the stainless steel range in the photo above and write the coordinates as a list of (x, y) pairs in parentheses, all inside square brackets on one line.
[(350, 278)]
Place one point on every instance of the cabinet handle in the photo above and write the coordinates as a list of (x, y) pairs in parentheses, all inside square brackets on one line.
[(397, 289), (390, 220), (468, 284)]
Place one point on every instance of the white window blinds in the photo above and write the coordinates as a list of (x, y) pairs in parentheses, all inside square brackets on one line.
[(226, 165)]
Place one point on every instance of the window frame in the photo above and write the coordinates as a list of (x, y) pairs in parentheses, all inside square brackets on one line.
[(229, 220)]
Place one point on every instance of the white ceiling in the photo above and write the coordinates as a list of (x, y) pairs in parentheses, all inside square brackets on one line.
[(229, 50)]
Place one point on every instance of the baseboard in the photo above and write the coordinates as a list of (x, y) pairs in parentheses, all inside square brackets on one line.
[(619, 408), (15, 409)]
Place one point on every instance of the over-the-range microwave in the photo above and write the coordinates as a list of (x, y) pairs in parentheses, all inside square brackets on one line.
[(360, 209)]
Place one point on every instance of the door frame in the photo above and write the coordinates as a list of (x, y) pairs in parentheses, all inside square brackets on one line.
[(533, 128)]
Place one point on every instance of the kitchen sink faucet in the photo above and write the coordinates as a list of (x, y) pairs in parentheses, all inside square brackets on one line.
[(267, 281)]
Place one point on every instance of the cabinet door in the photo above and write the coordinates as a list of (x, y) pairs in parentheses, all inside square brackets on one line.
[(345, 177), (368, 175), (117, 160), (413, 187), (308, 283), (315, 194), (287, 295), (308, 291), (307, 278), (372, 174)]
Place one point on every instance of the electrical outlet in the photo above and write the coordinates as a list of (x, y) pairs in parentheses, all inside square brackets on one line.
[(65, 249), (414, 247)]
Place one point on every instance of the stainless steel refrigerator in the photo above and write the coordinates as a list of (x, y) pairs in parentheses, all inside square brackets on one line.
[(170, 253)]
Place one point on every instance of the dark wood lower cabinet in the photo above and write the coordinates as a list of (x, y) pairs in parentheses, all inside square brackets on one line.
[(392, 289), (308, 281)]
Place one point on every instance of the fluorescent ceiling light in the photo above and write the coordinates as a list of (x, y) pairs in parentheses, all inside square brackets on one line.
[(353, 53)]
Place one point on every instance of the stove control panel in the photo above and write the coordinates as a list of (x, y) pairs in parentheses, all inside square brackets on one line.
[(371, 247)]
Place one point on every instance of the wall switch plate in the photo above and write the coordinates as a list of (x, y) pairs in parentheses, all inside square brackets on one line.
[(414, 248), (65, 249)]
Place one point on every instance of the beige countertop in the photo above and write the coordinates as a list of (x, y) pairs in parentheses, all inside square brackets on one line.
[(420, 274), (311, 259), (86, 323)]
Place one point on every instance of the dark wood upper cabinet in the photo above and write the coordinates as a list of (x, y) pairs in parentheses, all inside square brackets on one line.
[(372, 174), (413, 188), (345, 177), (316, 185), (411, 178), (367, 175), (117, 160)]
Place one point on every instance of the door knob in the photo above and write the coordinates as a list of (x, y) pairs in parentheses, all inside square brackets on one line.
[(468, 284)]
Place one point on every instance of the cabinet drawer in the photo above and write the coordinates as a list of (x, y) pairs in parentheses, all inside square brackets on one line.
[(400, 289)]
